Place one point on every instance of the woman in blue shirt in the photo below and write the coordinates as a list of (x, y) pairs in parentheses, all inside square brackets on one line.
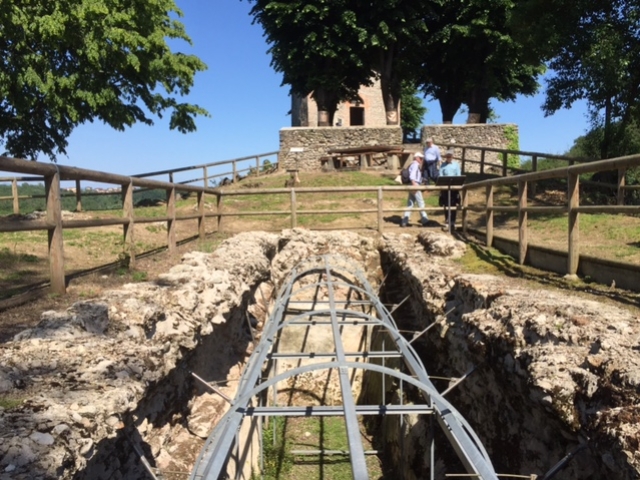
[(449, 168)]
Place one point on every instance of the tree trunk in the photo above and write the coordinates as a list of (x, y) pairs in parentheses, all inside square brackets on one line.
[(606, 138), (390, 86), (449, 106), (327, 105), (478, 103)]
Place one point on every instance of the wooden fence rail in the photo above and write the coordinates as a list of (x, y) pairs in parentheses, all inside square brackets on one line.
[(620, 186), (573, 208), (256, 169), (54, 223)]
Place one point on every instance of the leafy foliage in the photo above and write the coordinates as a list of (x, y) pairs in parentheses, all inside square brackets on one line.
[(457, 51), (474, 55), (317, 46), (597, 59), (66, 62), (411, 113)]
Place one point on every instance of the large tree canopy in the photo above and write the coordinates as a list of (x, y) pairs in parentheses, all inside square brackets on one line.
[(473, 56), (65, 62), (599, 62), (458, 51), (317, 46)]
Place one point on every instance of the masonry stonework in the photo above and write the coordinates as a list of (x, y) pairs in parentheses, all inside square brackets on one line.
[(301, 148), (477, 134)]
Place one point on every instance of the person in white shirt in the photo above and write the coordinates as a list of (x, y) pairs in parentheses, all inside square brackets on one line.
[(432, 160), (415, 197)]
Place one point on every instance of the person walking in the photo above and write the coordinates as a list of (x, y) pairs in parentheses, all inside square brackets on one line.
[(432, 160), (415, 197), (449, 168)]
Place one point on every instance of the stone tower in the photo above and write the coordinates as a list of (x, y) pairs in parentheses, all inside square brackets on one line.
[(368, 113)]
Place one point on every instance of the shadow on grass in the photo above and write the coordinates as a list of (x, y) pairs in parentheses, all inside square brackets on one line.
[(507, 266), (19, 271)]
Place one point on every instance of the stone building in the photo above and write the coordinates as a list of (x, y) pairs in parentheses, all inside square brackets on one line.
[(366, 113)]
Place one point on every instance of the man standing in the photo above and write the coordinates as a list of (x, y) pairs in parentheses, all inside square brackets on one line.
[(449, 168), (415, 197), (432, 161)]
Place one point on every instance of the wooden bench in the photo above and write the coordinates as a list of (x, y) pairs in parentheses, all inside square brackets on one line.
[(369, 156)]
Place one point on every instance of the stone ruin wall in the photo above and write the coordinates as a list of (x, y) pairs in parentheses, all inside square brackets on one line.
[(477, 134), (301, 148)]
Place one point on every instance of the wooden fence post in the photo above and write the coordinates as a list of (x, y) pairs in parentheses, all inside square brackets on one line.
[(128, 228), (235, 172), (621, 184), (489, 214), (463, 160), (56, 244), (219, 210), (504, 163), (78, 196), (205, 176), (380, 219), (482, 152), (573, 196), (294, 216), (465, 204), (171, 222), (522, 221), (201, 218), (257, 166), (534, 168), (14, 194)]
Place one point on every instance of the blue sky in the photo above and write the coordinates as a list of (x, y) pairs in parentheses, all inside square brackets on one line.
[(248, 106)]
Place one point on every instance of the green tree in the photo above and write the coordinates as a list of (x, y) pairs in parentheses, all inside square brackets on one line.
[(412, 111), (593, 49), (395, 32), (316, 45), (474, 55), (66, 62)]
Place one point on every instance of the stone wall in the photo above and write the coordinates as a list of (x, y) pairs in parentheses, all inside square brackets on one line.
[(477, 134), (301, 148)]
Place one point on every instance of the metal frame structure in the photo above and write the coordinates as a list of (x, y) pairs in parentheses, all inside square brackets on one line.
[(313, 284)]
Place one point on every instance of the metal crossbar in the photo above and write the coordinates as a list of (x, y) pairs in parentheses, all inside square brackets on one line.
[(324, 283)]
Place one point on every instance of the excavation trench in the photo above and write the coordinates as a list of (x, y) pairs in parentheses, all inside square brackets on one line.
[(549, 387)]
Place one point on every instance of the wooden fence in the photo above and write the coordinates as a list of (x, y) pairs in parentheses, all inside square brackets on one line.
[(54, 223), (254, 165), (534, 159), (573, 208)]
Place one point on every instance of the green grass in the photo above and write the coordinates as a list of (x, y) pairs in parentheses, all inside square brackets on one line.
[(310, 433), (277, 457), (10, 402)]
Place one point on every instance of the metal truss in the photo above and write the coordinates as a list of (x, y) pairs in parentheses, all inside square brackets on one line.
[(332, 292)]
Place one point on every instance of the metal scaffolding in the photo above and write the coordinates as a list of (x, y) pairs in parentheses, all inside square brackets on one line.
[(332, 293)]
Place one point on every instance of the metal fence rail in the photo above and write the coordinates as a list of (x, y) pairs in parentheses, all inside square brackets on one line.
[(332, 292)]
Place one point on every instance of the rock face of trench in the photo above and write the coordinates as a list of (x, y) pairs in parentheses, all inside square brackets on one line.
[(556, 376), (109, 390)]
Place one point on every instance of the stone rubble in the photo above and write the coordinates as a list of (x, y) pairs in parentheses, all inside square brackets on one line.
[(549, 365), (109, 382)]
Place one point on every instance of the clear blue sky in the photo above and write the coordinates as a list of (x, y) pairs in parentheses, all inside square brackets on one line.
[(248, 106)]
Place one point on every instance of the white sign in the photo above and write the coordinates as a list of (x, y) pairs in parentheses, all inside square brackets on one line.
[(296, 149)]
